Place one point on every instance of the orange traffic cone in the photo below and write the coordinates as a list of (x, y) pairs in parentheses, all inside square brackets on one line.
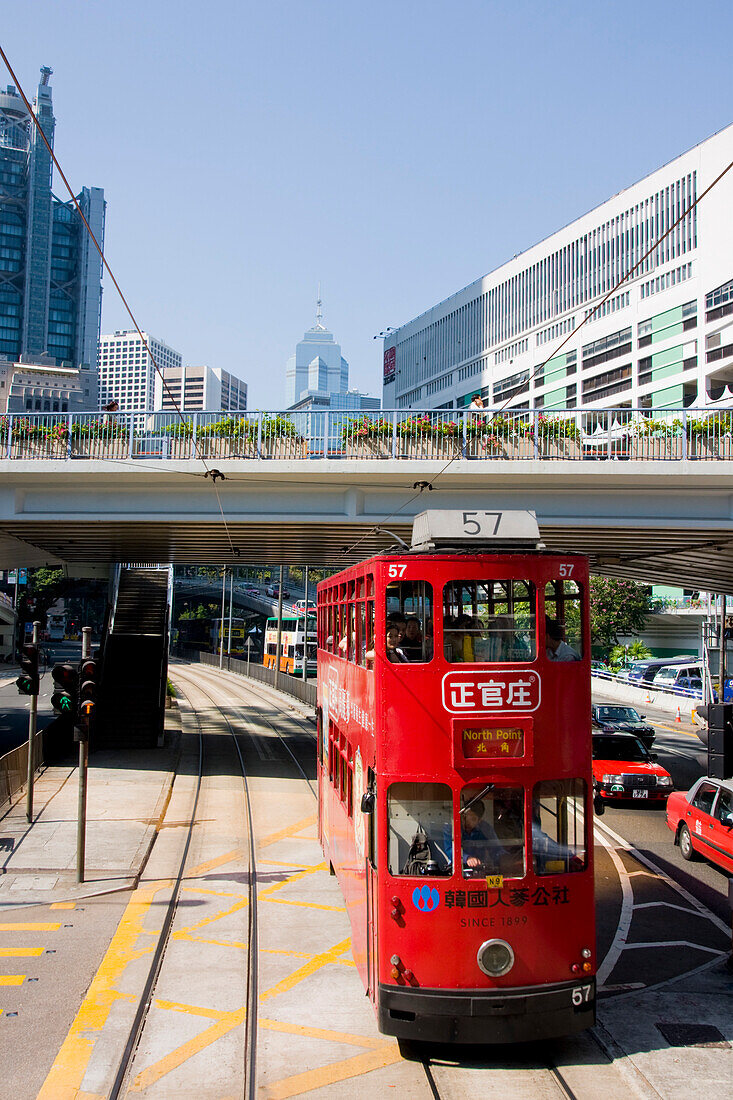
[(678, 716)]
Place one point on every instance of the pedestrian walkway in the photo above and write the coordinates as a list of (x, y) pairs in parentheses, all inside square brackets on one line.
[(126, 797)]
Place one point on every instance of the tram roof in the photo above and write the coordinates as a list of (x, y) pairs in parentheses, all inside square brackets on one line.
[(475, 530)]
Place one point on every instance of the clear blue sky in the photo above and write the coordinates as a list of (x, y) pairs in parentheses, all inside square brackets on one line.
[(393, 151)]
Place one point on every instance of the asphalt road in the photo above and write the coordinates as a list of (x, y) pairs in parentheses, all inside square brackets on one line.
[(684, 756)]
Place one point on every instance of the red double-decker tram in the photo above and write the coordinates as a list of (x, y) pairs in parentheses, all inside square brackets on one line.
[(454, 774)]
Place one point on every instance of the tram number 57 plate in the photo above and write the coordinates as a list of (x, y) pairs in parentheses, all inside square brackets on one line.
[(582, 994)]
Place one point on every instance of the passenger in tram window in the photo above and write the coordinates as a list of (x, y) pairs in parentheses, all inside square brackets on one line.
[(393, 651), (468, 631), (398, 620), (412, 643), (556, 648), (481, 848)]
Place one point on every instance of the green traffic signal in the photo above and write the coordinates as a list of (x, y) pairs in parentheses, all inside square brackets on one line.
[(65, 682), (29, 681)]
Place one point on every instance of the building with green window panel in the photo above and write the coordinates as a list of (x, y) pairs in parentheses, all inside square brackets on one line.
[(628, 307), (50, 272)]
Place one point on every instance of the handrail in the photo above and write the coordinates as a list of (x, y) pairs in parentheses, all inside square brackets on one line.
[(577, 434)]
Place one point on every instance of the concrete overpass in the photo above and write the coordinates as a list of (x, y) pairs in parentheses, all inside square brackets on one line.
[(662, 521)]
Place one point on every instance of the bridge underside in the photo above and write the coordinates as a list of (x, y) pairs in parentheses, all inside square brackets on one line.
[(644, 521)]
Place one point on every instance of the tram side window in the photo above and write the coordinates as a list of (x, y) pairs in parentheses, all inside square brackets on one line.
[(420, 828), (563, 620), (492, 831), (558, 826), (409, 615), (489, 621)]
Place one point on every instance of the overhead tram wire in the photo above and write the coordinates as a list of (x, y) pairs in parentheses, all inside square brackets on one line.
[(431, 484), (213, 474)]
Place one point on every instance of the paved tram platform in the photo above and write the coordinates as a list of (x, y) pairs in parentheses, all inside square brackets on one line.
[(664, 1040)]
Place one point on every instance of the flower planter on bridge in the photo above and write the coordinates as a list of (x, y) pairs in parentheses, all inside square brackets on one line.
[(377, 447)]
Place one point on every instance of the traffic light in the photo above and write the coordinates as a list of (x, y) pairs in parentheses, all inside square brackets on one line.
[(720, 740), (88, 680), (28, 681), (65, 693)]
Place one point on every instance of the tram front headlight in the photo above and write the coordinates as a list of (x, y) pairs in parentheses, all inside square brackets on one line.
[(495, 957)]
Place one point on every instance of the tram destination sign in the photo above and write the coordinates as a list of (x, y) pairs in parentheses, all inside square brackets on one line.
[(480, 742)]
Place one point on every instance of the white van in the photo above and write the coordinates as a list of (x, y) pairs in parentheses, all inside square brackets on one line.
[(668, 675)]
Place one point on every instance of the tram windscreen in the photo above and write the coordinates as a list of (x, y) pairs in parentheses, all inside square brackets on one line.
[(492, 831), (420, 828), (486, 621), (558, 826)]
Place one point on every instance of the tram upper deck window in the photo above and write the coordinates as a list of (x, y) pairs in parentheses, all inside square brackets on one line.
[(489, 621), (420, 828), (563, 620), (409, 615), (492, 831), (558, 826)]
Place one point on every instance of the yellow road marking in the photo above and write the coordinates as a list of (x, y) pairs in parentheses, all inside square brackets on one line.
[(212, 943), (307, 904), (29, 927), (289, 832), (225, 1022), (209, 920), (676, 729), (322, 1033), (295, 877), (63, 905), (305, 971), (339, 1071), (19, 952), (66, 1075), (12, 979), (212, 893), (210, 864)]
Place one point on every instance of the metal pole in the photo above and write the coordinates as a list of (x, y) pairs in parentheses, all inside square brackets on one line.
[(229, 639), (32, 713), (221, 621), (279, 628), (305, 630), (721, 696), (81, 819), (249, 646)]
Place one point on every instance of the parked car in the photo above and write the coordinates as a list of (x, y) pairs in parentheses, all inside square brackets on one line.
[(598, 666), (623, 768), (692, 685), (702, 821), (616, 718), (251, 590), (670, 675)]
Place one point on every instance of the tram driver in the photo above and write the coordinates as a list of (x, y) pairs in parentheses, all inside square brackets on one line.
[(482, 851)]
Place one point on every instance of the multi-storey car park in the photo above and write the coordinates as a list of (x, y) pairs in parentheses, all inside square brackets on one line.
[(664, 340)]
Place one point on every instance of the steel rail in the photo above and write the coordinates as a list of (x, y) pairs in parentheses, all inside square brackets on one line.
[(250, 1026), (146, 997)]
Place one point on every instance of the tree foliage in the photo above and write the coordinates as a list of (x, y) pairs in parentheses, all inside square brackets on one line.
[(616, 608)]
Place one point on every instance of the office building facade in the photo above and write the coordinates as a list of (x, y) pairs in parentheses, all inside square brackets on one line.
[(39, 385), (200, 389), (126, 369), (50, 271), (661, 340)]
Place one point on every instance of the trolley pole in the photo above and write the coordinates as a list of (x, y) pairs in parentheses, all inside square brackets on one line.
[(279, 628), (32, 717), (722, 649), (221, 621), (305, 626), (81, 819), (229, 636)]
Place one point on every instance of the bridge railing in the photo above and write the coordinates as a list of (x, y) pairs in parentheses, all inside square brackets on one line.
[(437, 434)]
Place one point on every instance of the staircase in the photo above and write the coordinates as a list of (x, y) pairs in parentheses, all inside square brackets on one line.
[(135, 661)]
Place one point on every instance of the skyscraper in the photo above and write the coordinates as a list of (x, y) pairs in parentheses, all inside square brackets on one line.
[(50, 272), (317, 368)]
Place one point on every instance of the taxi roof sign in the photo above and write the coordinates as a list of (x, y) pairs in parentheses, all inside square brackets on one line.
[(496, 529)]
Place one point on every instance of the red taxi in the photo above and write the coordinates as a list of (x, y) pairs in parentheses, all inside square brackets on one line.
[(624, 768), (702, 821)]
